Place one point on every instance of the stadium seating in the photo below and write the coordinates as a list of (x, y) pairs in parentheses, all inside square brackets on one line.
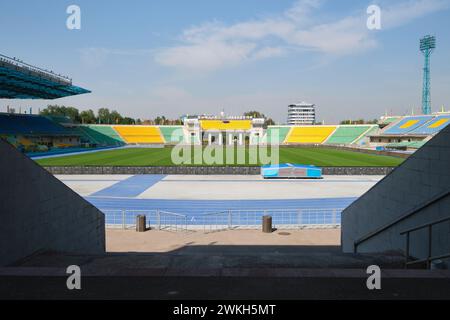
[(28, 125), (102, 135), (140, 134), (362, 140), (346, 134), (388, 120), (172, 134), (226, 125), (407, 124), (279, 134), (433, 126), (406, 144), (309, 134)]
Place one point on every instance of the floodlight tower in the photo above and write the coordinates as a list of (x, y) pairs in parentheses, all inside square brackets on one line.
[(427, 44)]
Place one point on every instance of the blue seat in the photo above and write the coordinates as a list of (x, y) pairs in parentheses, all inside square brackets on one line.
[(408, 124), (28, 125), (434, 126)]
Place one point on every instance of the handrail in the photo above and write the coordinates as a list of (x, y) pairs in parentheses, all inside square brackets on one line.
[(19, 63), (429, 257), (426, 225), (399, 219)]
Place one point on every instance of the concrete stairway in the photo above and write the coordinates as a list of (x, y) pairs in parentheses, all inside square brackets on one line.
[(223, 272)]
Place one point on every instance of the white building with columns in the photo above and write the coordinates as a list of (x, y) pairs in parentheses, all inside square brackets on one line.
[(213, 130)]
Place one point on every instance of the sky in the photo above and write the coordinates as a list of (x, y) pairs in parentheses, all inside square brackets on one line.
[(146, 58)]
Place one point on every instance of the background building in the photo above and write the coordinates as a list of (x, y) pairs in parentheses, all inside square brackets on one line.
[(301, 113)]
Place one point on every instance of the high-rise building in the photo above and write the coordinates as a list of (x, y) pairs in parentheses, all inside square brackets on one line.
[(301, 113)]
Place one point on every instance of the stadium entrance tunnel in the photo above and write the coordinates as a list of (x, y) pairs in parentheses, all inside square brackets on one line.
[(408, 210), (40, 213), (49, 227)]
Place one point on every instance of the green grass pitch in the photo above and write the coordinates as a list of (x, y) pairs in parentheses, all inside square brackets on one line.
[(162, 157)]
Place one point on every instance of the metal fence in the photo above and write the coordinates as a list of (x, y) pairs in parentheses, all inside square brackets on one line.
[(228, 219), (155, 219), (281, 219)]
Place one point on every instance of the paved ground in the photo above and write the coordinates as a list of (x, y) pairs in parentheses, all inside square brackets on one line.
[(306, 264), (195, 195), (164, 241), (224, 265), (216, 187)]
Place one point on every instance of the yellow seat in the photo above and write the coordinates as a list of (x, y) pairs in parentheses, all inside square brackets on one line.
[(224, 125), (438, 123), (140, 134), (25, 142), (408, 124), (310, 134)]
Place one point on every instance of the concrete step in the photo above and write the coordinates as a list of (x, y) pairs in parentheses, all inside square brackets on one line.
[(219, 257)]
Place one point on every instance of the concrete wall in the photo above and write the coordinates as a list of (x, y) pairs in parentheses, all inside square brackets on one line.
[(422, 177), (208, 170), (38, 212)]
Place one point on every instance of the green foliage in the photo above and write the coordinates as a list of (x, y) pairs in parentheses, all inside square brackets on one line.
[(55, 110)]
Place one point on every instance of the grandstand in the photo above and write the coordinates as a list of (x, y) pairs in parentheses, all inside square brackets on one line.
[(140, 134), (172, 134), (433, 126), (309, 134), (20, 80), (348, 134), (275, 134), (35, 133), (407, 124), (226, 125), (410, 132), (101, 135)]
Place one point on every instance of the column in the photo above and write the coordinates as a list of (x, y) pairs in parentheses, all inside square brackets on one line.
[(240, 139), (220, 138), (209, 139)]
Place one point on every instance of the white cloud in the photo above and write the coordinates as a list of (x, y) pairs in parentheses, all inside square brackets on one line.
[(95, 57), (405, 12), (213, 45)]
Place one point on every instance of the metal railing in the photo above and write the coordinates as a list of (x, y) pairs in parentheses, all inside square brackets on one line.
[(403, 217), (281, 219), (429, 258), (157, 219), (227, 219), (30, 68)]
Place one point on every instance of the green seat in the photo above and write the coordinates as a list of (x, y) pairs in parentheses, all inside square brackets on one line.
[(346, 134), (101, 135), (172, 134)]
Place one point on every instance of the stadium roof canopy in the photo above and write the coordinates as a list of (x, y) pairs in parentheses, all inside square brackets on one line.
[(19, 80)]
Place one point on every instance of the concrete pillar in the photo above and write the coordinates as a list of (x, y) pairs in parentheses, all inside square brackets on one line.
[(230, 139), (267, 224), (209, 139), (140, 223), (220, 138), (240, 139)]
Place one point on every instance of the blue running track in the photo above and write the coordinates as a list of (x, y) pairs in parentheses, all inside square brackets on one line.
[(317, 211), (131, 187)]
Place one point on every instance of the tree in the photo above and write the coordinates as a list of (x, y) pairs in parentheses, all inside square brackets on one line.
[(128, 120), (87, 116), (61, 111), (257, 114), (104, 116), (254, 114), (269, 122), (115, 117)]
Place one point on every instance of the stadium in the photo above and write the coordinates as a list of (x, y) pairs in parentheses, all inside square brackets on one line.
[(380, 182)]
